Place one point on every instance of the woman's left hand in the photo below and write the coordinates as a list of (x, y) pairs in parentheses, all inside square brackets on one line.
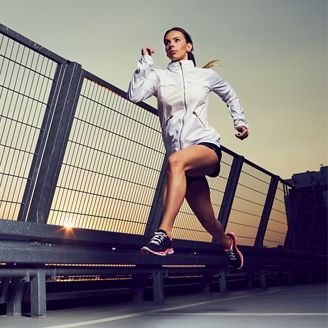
[(243, 132)]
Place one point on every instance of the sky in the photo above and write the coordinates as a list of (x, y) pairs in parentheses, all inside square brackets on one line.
[(273, 52)]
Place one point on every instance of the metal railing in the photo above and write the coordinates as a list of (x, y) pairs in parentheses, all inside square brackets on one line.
[(75, 151), (111, 165), (25, 81)]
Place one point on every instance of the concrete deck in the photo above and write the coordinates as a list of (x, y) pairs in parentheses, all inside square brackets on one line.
[(296, 306)]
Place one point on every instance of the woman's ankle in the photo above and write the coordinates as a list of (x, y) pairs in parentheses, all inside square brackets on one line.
[(167, 230), (227, 243)]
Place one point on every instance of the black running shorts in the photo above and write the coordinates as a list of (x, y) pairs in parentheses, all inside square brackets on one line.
[(218, 166)]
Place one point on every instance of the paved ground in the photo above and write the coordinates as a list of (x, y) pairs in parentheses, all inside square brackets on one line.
[(298, 306)]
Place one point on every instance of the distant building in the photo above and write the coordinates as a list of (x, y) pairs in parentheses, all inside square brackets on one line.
[(307, 211)]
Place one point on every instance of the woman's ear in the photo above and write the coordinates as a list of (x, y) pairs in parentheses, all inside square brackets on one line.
[(189, 47)]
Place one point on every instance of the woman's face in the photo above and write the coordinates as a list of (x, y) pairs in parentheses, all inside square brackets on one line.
[(176, 46)]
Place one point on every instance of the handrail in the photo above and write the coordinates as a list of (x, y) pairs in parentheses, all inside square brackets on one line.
[(31, 44)]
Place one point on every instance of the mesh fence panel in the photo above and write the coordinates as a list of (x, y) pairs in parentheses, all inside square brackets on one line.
[(111, 165), (248, 204), (277, 226), (26, 78), (112, 161)]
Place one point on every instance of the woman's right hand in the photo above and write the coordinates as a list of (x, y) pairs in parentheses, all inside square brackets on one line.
[(147, 51)]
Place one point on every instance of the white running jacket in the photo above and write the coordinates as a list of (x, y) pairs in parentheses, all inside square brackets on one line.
[(182, 93)]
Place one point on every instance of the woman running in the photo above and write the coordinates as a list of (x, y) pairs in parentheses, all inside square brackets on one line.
[(192, 146)]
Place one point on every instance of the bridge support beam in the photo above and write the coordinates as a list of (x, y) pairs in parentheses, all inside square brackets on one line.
[(223, 281), (139, 284), (38, 295), (158, 286), (15, 297), (263, 279)]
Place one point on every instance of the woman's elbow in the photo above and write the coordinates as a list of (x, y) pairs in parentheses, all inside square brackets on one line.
[(133, 97)]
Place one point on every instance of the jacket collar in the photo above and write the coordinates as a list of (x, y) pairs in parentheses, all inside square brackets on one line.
[(186, 64)]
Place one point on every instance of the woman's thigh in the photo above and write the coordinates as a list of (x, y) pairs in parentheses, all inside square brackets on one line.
[(197, 160)]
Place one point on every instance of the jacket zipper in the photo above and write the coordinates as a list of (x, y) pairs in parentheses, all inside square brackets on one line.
[(167, 121), (185, 104), (195, 113)]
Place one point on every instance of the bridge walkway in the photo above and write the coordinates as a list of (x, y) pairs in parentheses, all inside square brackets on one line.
[(283, 306)]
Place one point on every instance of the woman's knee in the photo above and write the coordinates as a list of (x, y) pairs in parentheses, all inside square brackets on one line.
[(175, 163)]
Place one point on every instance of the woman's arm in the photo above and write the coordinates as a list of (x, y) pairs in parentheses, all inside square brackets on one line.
[(229, 96), (144, 81)]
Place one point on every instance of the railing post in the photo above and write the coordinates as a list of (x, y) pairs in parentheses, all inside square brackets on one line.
[(295, 207), (230, 190), (266, 211), (39, 149), (64, 104), (155, 215)]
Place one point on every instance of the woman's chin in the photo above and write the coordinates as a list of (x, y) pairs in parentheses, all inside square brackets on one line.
[(175, 59)]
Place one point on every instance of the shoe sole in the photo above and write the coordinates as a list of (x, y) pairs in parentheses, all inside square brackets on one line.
[(238, 251), (147, 251)]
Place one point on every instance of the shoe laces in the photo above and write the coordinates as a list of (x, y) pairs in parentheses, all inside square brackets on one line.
[(231, 254), (158, 238)]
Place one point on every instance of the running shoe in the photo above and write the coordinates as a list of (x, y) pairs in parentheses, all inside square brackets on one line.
[(234, 254), (160, 244)]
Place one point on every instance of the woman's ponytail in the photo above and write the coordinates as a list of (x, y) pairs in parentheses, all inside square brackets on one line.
[(211, 63), (191, 57)]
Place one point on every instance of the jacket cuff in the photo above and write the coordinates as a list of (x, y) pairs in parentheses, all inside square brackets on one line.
[(147, 59), (240, 123)]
